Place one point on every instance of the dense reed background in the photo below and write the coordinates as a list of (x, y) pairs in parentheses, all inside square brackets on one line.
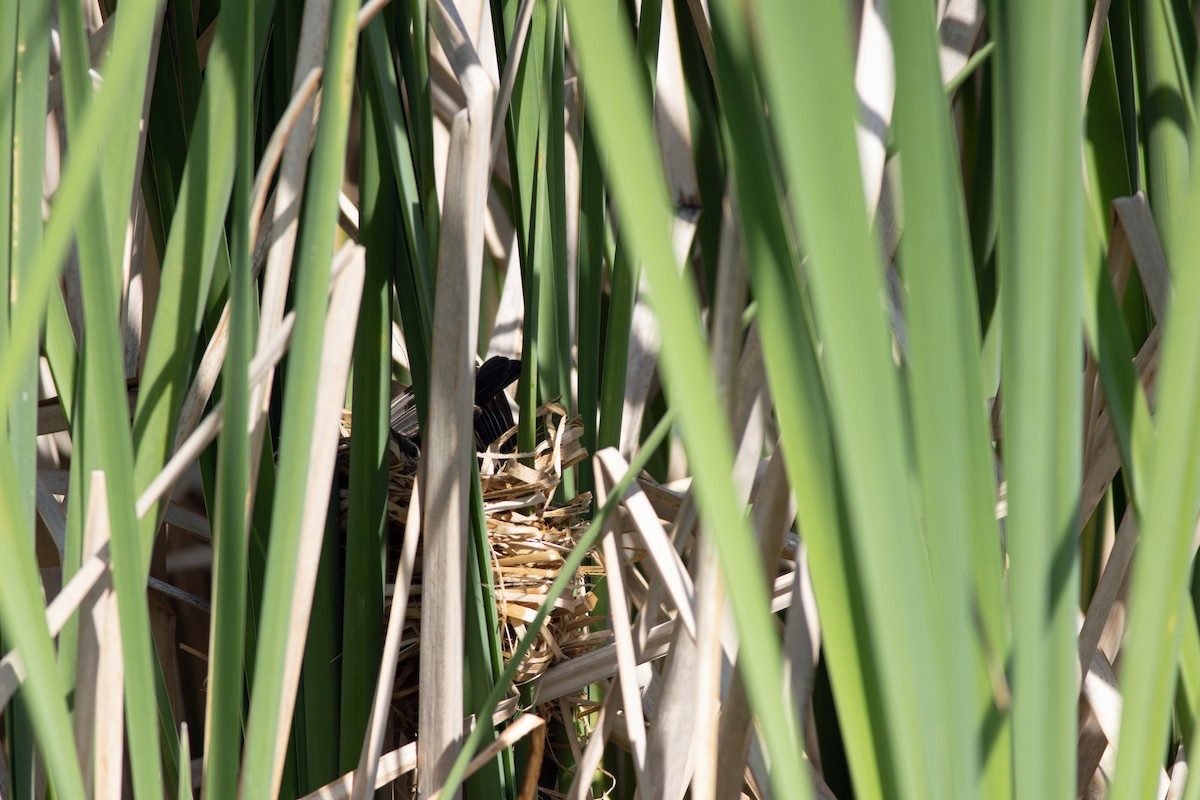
[(877, 319)]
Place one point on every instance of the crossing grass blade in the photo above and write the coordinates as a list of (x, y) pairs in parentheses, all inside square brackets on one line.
[(626, 271), (261, 760), (413, 268), (484, 662), (953, 453), (1167, 117), (8, 74), (14, 184), (43, 710), (228, 630), (611, 87), (707, 154), (1040, 256), (589, 294), (523, 126), (188, 264), (1163, 564), (43, 689), (556, 337), (794, 372), (813, 122), (411, 37), (366, 523), (107, 445), (28, 153)]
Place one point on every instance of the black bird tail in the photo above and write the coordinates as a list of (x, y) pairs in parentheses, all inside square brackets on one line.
[(492, 413)]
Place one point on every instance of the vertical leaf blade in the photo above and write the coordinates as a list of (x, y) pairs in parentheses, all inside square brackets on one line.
[(1040, 248)]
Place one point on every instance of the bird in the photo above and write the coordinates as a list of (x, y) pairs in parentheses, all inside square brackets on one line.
[(493, 417)]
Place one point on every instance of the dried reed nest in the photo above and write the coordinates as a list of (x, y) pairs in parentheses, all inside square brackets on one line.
[(529, 536)]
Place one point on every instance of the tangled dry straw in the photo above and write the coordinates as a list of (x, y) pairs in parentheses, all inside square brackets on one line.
[(530, 536)]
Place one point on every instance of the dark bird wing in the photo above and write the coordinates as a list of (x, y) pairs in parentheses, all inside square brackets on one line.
[(492, 414), (492, 421), (404, 414)]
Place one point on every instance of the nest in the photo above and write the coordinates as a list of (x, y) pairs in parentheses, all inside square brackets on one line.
[(530, 537)]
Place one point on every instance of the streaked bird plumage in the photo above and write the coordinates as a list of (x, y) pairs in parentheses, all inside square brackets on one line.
[(492, 413)]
